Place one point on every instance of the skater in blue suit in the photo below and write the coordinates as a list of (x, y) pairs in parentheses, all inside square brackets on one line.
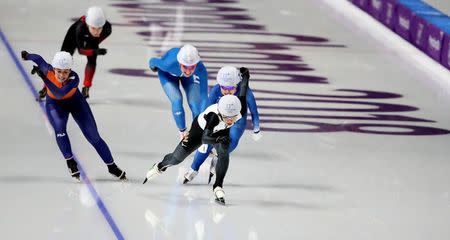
[(64, 98), (182, 65), (228, 79)]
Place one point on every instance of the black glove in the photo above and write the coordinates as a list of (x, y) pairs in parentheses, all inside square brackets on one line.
[(100, 51), (245, 74), (223, 139), (154, 69), (38, 71), (24, 55)]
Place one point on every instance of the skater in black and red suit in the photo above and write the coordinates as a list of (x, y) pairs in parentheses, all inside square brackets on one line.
[(86, 34)]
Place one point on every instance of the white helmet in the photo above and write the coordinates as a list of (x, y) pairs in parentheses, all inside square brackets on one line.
[(95, 17), (229, 106), (228, 76), (188, 55), (62, 60)]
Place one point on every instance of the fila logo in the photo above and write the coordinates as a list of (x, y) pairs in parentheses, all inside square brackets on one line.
[(196, 79), (60, 135)]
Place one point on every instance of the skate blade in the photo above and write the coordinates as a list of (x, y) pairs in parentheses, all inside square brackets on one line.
[(145, 180), (77, 178), (122, 177), (210, 177), (185, 181), (220, 201)]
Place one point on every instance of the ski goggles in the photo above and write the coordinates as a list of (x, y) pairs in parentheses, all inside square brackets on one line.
[(231, 118), (190, 68), (228, 88)]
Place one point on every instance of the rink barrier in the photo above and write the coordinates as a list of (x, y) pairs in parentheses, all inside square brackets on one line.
[(420, 24)]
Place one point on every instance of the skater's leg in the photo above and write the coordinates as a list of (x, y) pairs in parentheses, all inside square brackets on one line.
[(89, 72), (222, 163), (171, 88), (199, 158), (58, 119), (182, 150), (193, 96), (174, 158), (83, 116)]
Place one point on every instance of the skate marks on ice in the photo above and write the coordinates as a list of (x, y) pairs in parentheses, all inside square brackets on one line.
[(115, 180), (186, 199), (141, 155), (273, 186), (273, 60), (130, 102), (17, 179)]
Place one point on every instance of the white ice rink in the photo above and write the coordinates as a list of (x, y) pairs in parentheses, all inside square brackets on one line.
[(356, 127)]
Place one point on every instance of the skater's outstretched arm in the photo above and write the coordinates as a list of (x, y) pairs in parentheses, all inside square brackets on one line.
[(42, 64), (251, 103)]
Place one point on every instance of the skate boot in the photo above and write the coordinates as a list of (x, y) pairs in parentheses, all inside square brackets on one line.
[(189, 175), (85, 92), (116, 171), (152, 173), (73, 168), (212, 168), (219, 194)]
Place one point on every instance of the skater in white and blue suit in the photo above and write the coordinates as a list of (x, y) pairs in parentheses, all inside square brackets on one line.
[(182, 65), (228, 79)]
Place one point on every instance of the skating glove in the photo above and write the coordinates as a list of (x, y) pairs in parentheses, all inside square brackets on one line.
[(24, 55), (38, 71), (100, 51), (223, 139), (184, 135), (245, 74)]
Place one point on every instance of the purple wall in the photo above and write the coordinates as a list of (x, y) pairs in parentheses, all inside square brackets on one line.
[(414, 21), (445, 57)]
